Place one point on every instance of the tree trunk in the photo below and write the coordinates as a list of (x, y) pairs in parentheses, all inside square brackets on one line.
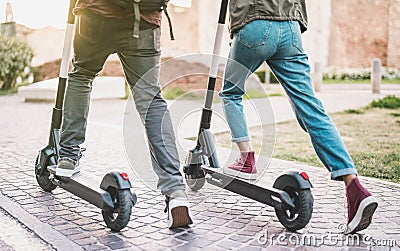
[(8, 84)]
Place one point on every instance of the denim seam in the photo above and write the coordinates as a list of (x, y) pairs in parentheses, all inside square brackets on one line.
[(321, 156), (279, 37), (316, 147), (294, 43)]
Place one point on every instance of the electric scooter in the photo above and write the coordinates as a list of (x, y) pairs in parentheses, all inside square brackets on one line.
[(290, 195), (113, 193)]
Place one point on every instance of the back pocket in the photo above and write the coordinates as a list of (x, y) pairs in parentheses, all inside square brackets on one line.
[(254, 33), (296, 35), (149, 39), (90, 28)]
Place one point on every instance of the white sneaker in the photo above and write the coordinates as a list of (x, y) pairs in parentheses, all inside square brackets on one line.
[(179, 214), (67, 167)]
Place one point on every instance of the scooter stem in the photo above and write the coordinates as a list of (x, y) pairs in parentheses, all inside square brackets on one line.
[(56, 117), (216, 54), (207, 112)]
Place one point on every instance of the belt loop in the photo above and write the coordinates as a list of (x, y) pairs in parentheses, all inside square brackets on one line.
[(137, 18)]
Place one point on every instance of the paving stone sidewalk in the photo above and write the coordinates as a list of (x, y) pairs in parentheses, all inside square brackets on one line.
[(223, 220)]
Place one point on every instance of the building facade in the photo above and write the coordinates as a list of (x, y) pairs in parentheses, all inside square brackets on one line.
[(342, 33)]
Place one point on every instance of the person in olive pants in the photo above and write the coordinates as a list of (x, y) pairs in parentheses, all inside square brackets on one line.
[(96, 37)]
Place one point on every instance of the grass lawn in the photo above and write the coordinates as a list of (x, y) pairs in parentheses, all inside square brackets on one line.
[(371, 134)]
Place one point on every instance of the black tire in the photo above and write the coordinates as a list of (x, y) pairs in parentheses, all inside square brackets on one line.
[(43, 180), (195, 183), (120, 216), (299, 217)]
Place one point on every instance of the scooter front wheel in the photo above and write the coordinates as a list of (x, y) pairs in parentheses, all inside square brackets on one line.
[(298, 217), (118, 218), (43, 180), (195, 183)]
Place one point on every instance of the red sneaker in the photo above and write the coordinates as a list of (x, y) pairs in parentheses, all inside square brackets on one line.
[(244, 167), (361, 206)]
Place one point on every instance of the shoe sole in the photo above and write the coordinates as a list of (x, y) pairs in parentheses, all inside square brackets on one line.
[(180, 217), (363, 217), (179, 214), (239, 174)]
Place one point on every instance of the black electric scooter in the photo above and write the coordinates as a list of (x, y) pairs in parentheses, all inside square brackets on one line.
[(113, 193), (290, 196)]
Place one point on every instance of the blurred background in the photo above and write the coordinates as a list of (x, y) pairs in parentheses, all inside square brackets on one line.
[(343, 33)]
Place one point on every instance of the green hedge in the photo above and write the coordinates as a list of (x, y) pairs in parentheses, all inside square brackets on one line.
[(334, 73), (261, 75), (15, 55)]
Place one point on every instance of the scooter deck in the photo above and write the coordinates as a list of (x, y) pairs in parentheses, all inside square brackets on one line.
[(85, 186), (270, 196)]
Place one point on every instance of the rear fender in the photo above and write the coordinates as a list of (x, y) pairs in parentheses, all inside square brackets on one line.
[(116, 179), (295, 179)]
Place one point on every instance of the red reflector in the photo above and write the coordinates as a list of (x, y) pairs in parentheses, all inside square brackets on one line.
[(304, 175), (125, 176)]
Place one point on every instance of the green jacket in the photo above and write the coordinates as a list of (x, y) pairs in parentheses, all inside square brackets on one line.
[(244, 11)]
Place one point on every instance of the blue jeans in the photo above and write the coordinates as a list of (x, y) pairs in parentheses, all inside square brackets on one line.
[(279, 44)]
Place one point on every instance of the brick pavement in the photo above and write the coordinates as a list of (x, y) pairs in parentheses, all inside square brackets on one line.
[(223, 220)]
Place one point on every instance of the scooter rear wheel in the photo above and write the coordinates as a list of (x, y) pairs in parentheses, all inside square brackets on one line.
[(43, 180), (118, 218), (297, 218)]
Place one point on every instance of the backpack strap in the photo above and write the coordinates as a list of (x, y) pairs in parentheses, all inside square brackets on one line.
[(136, 25), (171, 32)]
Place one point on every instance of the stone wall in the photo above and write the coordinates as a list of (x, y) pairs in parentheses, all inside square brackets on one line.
[(174, 73), (316, 39), (344, 33), (393, 55), (359, 32), (185, 28), (194, 29)]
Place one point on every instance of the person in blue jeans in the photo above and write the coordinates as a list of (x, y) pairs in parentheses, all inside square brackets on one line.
[(270, 31)]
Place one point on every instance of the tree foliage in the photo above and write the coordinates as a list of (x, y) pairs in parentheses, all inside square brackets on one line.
[(15, 55)]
